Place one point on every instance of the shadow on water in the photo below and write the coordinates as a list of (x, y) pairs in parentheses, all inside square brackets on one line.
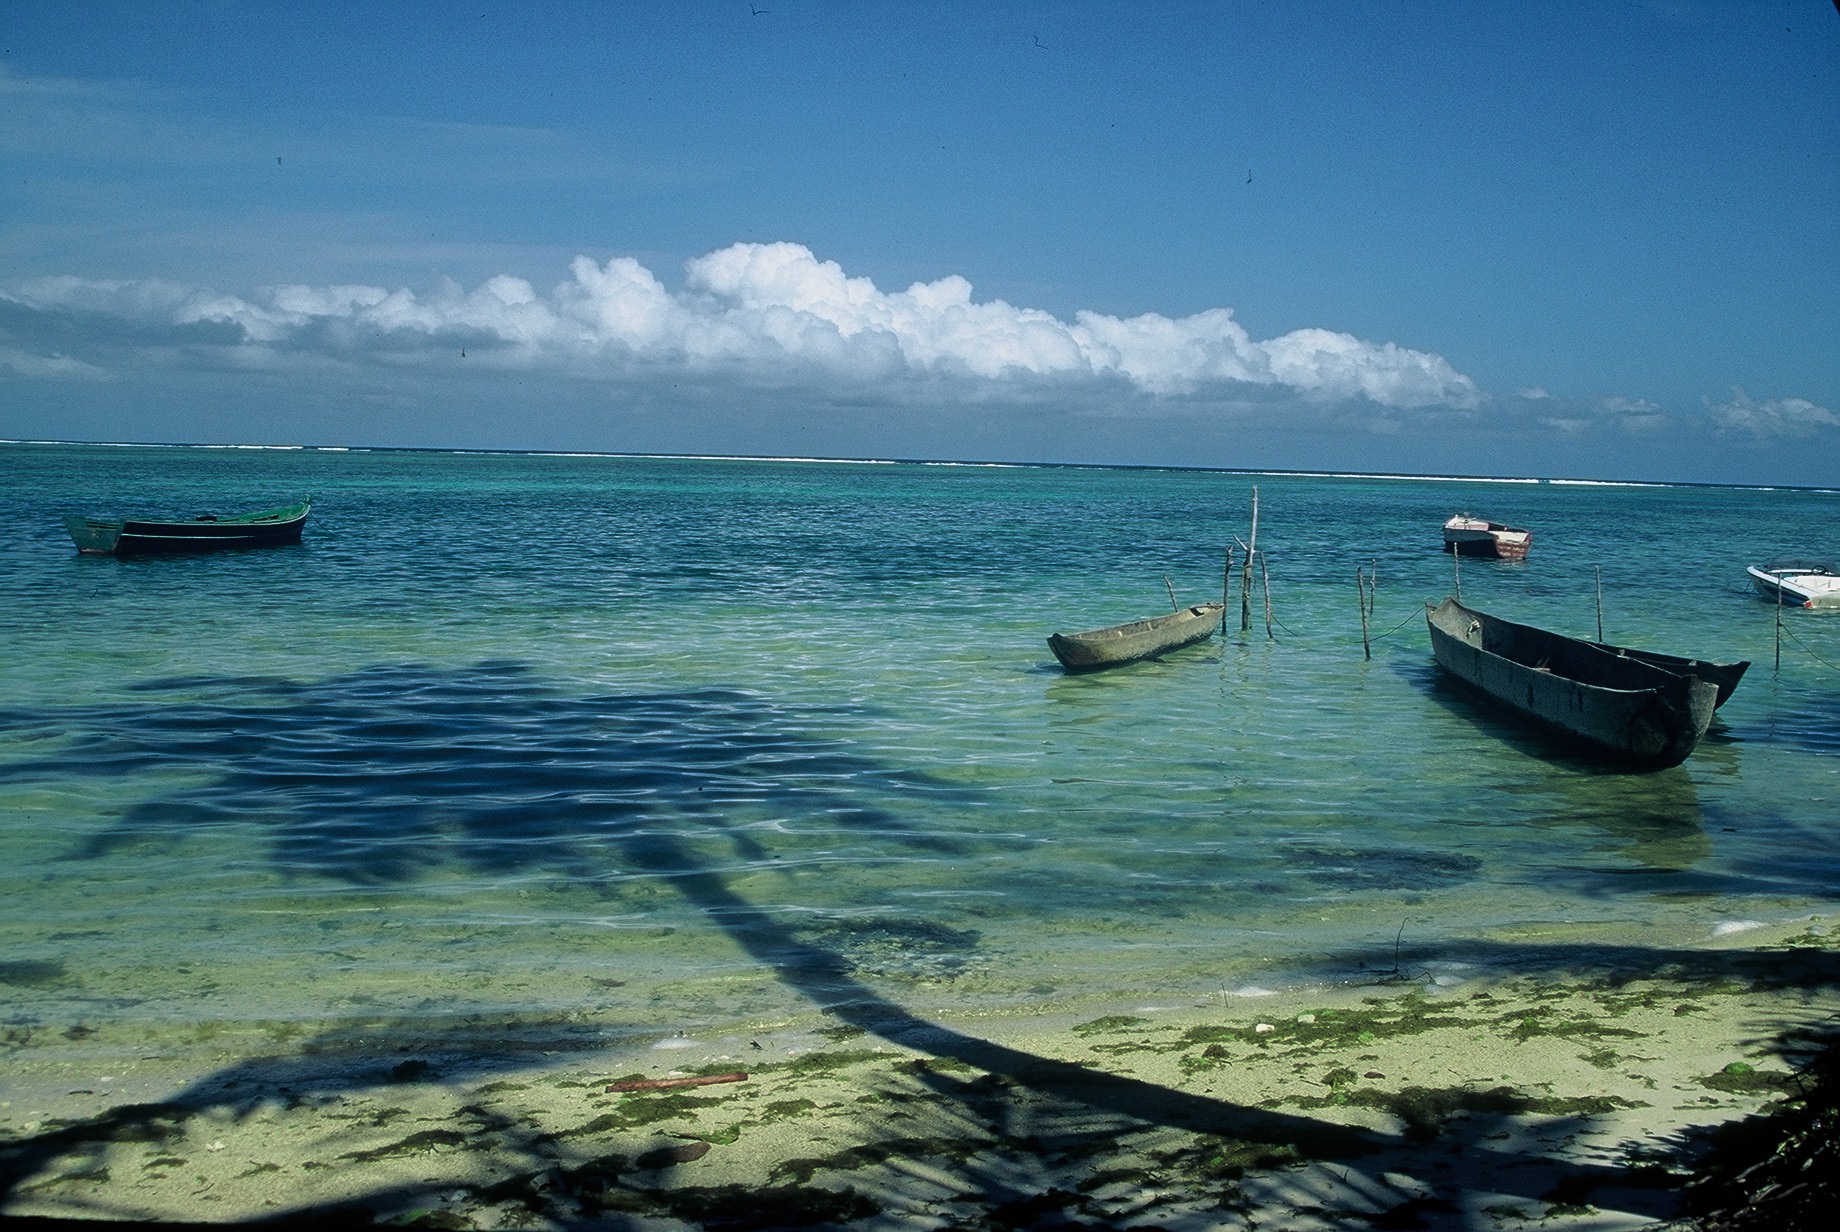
[(1653, 819), (1803, 714), (376, 777), (379, 776)]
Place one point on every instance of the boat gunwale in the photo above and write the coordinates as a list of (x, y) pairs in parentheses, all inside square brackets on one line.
[(1191, 612), (1683, 665)]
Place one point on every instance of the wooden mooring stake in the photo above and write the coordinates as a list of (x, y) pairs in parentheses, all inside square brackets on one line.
[(1779, 606), (1265, 577), (1600, 601), (1226, 591), (1245, 578), (1361, 601)]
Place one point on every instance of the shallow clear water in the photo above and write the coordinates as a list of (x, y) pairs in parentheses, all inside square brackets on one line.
[(684, 743)]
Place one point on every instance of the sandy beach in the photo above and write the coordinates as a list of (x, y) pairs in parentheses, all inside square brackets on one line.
[(1553, 1098)]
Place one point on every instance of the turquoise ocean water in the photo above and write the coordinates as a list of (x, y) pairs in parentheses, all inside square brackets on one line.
[(656, 745)]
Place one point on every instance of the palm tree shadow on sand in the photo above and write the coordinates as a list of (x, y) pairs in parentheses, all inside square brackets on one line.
[(376, 777)]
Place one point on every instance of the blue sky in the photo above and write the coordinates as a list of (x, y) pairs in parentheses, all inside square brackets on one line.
[(1571, 239)]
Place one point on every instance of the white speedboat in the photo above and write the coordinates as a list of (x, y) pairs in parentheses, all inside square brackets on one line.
[(1798, 582)]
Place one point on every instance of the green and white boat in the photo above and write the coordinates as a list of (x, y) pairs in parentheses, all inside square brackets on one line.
[(204, 533)]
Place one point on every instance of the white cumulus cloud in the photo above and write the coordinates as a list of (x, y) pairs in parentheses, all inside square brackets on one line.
[(1634, 414), (1783, 417), (758, 314), (49, 367)]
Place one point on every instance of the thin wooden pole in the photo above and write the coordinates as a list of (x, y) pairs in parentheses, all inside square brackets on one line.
[(1265, 576), (1600, 601), (1456, 562), (1373, 574), (1245, 580), (1360, 592), (1174, 606), (1779, 626), (1226, 591)]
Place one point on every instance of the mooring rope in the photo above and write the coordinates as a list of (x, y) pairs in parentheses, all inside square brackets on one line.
[(1417, 615), (1348, 637), (1396, 628), (1811, 654)]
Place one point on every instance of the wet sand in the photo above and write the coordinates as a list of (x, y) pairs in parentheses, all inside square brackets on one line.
[(1573, 1099)]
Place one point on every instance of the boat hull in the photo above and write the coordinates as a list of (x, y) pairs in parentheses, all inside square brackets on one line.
[(1796, 589), (1135, 640), (1621, 708), (1488, 540), (142, 537)]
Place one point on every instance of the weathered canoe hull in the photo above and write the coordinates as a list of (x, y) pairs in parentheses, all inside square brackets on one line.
[(142, 537), (1135, 640), (1488, 540), (1618, 707), (1723, 676)]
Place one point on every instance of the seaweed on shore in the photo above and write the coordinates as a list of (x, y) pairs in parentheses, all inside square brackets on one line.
[(1425, 1112)]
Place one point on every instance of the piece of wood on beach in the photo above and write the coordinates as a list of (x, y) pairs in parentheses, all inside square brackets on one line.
[(665, 1084), (668, 1156)]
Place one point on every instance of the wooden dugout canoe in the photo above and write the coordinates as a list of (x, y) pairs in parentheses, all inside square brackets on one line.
[(206, 532), (1614, 705), (1135, 640)]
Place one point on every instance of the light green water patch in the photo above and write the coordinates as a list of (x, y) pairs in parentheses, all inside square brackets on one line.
[(756, 712)]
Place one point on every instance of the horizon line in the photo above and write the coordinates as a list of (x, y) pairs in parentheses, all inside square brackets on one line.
[(821, 459)]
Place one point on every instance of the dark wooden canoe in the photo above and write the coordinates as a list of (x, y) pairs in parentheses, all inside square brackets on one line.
[(1135, 640), (1724, 676), (1617, 706), (207, 532)]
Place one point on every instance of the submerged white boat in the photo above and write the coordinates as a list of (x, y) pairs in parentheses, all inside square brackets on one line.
[(1798, 582)]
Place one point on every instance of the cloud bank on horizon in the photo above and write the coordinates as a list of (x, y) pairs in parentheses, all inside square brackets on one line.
[(773, 319), (749, 316)]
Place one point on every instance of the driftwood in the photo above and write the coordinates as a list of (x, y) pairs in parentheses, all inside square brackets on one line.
[(665, 1084), (666, 1156)]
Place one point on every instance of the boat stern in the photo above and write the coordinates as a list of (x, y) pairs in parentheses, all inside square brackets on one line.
[(96, 536)]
